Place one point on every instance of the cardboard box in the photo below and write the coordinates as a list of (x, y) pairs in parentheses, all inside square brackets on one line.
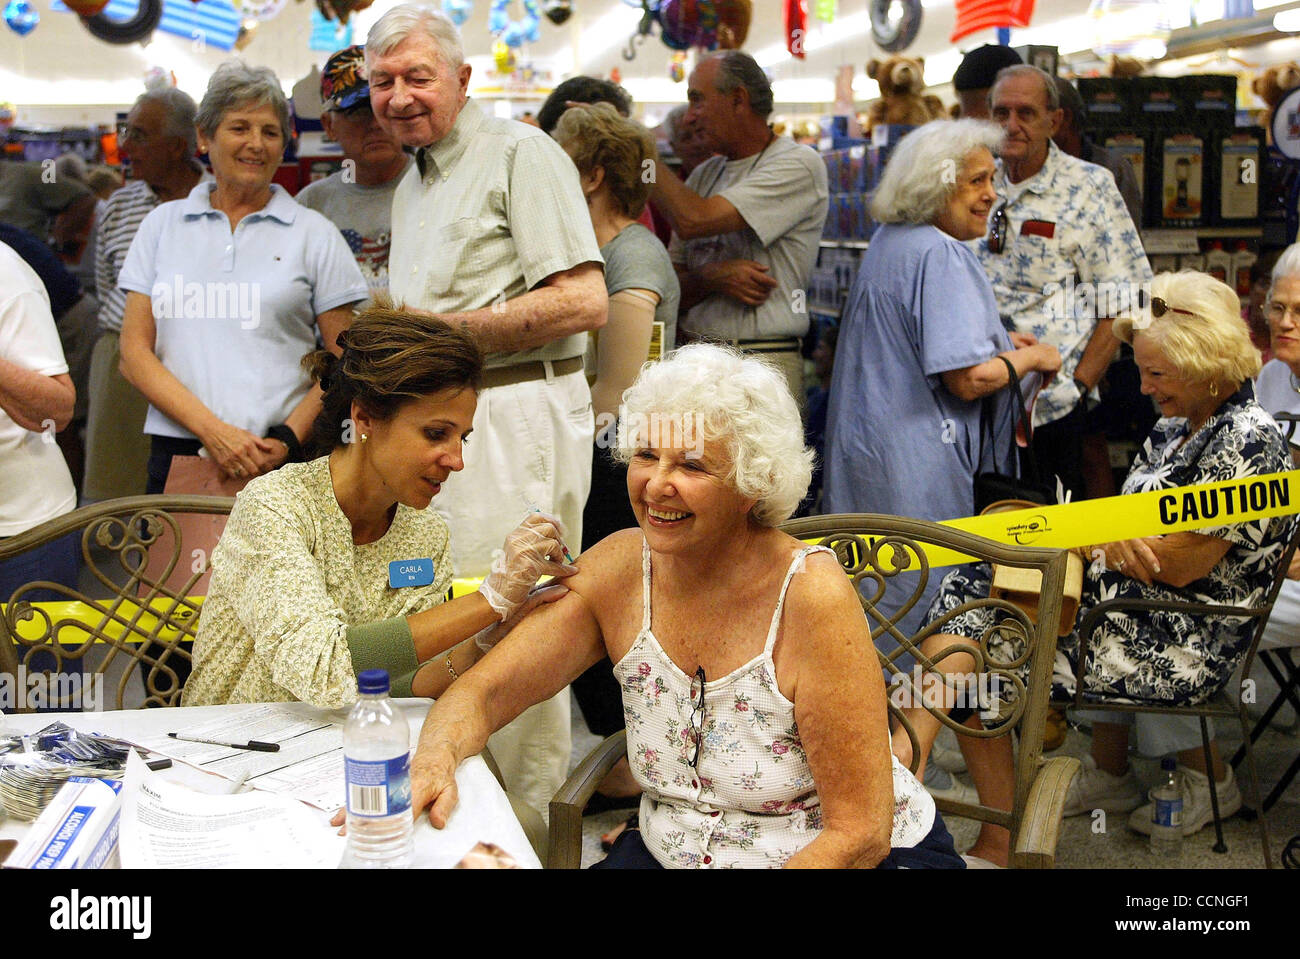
[(77, 830)]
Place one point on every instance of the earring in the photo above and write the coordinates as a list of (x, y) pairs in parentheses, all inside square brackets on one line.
[(1214, 389), (364, 437)]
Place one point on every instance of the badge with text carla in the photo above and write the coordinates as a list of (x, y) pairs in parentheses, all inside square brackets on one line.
[(410, 572)]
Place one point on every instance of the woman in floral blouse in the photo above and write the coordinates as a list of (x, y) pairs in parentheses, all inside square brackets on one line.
[(1196, 361), (755, 708), (340, 564)]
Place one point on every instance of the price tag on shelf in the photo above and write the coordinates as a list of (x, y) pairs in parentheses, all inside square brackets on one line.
[(1170, 241)]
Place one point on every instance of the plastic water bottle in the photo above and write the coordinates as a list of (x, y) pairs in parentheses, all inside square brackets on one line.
[(377, 767), (1167, 812)]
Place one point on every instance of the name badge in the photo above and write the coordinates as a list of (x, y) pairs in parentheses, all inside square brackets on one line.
[(410, 572)]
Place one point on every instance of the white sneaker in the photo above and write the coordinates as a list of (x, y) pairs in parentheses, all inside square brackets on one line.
[(957, 792), (1095, 788), (1197, 811), (946, 753)]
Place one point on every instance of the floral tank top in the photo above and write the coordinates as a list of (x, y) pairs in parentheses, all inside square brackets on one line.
[(752, 801)]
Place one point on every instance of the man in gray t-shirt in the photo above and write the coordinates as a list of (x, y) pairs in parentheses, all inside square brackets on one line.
[(358, 199), (747, 223)]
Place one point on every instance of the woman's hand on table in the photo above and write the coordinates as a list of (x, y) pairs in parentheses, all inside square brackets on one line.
[(534, 549), (239, 453)]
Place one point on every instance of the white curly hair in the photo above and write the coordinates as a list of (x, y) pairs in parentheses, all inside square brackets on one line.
[(720, 395)]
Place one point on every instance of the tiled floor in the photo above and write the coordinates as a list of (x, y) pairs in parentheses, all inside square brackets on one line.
[(1086, 843)]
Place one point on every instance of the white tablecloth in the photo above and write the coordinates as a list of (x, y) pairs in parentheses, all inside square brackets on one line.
[(482, 814)]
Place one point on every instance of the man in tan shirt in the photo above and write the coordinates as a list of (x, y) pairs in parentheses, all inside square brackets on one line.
[(490, 230)]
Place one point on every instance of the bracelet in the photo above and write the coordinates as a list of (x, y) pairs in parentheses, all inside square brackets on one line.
[(451, 669), (282, 432)]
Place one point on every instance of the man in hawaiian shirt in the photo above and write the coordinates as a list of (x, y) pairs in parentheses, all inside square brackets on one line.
[(1064, 259)]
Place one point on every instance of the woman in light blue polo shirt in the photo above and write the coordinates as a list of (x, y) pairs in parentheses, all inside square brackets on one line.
[(226, 290)]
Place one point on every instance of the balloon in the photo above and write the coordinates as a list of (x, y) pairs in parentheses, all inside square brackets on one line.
[(689, 23), (677, 69), (734, 17), (86, 8), (503, 57), (558, 11), (21, 17), (825, 10), (457, 11), (515, 33)]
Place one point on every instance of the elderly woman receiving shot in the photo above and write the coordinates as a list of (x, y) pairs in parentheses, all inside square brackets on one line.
[(1196, 360), (227, 289), (338, 565), (919, 403), (756, 716)]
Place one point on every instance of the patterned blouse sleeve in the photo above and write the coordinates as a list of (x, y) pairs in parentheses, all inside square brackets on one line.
[(1238, 449), (282, 601)]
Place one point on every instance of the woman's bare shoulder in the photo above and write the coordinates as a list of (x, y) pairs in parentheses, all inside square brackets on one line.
[(608, 568)]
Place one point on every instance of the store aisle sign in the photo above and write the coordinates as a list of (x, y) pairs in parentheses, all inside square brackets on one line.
[(214, 23), (1286, 124)]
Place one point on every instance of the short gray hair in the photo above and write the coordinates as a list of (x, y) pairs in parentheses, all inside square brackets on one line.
[(913, 188), (718, 394), (236, 84), (1288, 264), (1070, 100), (413, 18), (673, 122), (179, 112), (737, 70), (1025, 70)]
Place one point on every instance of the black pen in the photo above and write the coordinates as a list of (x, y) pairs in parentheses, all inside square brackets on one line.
[(251, 744)]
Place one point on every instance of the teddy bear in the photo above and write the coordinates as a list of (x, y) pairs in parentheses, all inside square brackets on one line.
[(901, 98), (1271, 84)]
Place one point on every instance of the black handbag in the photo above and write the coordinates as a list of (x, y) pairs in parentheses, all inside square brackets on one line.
[(992, 486)]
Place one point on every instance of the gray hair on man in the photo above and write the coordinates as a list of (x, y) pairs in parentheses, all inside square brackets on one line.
[(738, 70), (1025, 70), (924, 170), (236, 84), (673, 122), (179, 112), (407, 19)]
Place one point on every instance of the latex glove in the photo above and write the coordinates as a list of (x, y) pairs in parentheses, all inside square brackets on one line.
[(535, 548)]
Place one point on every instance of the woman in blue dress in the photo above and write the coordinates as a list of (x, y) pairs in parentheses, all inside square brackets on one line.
[(921, 344)]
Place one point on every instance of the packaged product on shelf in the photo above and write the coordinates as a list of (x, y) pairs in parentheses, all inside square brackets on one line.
[(832, 159), (1108, 102), (1178, 180), (1159, 101), (1210, 100), (1241, 162), (1242, 262), (857, 169), (1133, 148), (1192, 261), (1218, 262), (1164, 263)]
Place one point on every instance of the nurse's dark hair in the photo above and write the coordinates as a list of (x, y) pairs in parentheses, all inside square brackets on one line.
[(391, 356)]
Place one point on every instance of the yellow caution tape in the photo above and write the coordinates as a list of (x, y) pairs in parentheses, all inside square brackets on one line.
[(1153, 513), (1064, 526)]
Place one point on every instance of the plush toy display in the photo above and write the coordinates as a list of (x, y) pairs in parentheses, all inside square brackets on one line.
[(1124, 67), (1271, 84), (901, 100)]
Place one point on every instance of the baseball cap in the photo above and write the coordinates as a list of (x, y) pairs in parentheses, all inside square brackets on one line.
[(980, 67), (343, 82)]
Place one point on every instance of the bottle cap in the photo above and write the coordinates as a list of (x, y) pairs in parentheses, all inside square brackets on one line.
[(373, 681), (1168, 764)]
